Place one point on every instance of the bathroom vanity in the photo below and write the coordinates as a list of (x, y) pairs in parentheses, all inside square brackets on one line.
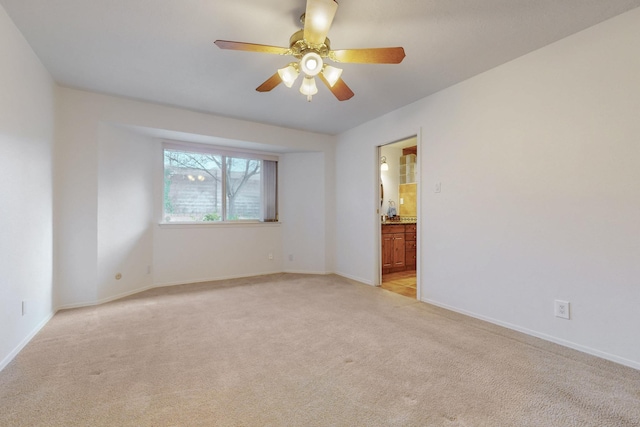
[(398, 246)]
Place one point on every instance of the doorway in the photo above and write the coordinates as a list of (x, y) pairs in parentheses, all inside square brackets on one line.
[(398, 176)]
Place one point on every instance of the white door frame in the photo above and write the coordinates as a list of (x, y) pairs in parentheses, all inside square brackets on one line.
[(378, 213)]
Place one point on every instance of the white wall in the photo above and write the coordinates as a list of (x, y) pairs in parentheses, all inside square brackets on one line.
[(125, 211), (539, 161), (76, 206), (26, 144), (105, 157), (330, 184), (190, 254), (303, 214)]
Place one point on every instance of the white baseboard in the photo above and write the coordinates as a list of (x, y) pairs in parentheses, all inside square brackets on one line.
[(316, 273), (584, 349), (104, 300), (356, 278), (158, 285), (25, 341), (212, 279), (178, 283)]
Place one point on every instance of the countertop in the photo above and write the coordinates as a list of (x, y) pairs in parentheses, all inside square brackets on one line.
[(406, 220)]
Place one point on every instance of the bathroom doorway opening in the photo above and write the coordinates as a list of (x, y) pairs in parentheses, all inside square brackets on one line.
[(399, 205)]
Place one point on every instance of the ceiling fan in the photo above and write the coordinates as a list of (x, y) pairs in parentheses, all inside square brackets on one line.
[(311, 47)]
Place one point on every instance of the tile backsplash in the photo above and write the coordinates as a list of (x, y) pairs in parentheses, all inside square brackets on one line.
[(408, 194)]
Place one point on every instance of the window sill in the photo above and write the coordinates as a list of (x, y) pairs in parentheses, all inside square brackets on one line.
[(216, 224)]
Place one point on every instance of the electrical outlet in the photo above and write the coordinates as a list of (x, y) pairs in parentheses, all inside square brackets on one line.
[(24, 308), (270, 255), (290, 257), (437, 188), (562, 309)]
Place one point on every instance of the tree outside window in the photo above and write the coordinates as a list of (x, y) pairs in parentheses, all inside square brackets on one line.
[(195, 182)]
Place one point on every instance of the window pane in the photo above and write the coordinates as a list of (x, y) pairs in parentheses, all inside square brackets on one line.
[(192, 186), (205, 184), (243, 188)]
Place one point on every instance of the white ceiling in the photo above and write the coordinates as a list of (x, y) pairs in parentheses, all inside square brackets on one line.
[(162, 50)]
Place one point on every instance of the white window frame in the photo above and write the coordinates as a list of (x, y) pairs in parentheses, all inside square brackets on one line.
[(221, 151)]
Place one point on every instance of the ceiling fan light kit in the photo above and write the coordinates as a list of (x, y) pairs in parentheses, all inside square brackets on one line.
[(332, 74), (311, 47), (308, 87), (311, 64), (289, 74)]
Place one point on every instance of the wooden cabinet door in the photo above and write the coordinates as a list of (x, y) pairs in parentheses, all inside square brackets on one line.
[(398, 250), (410, 237), (387, 250), (395, 257)]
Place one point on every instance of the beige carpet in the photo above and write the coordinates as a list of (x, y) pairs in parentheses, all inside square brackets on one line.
[(291, 350)]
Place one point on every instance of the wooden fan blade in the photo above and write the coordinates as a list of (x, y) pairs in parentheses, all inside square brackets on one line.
[(318, 19), (252, 47), (270, 83), (340, 89), (378, 55)]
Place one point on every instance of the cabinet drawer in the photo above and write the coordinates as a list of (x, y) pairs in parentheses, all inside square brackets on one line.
[(410, 228), (410, 236), (410, 259), (410, 245), (389, 229)]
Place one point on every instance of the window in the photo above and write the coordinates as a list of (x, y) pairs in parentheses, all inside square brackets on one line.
[(209, 184)]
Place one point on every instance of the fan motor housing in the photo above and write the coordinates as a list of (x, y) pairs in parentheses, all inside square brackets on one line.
[(299, 46)]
